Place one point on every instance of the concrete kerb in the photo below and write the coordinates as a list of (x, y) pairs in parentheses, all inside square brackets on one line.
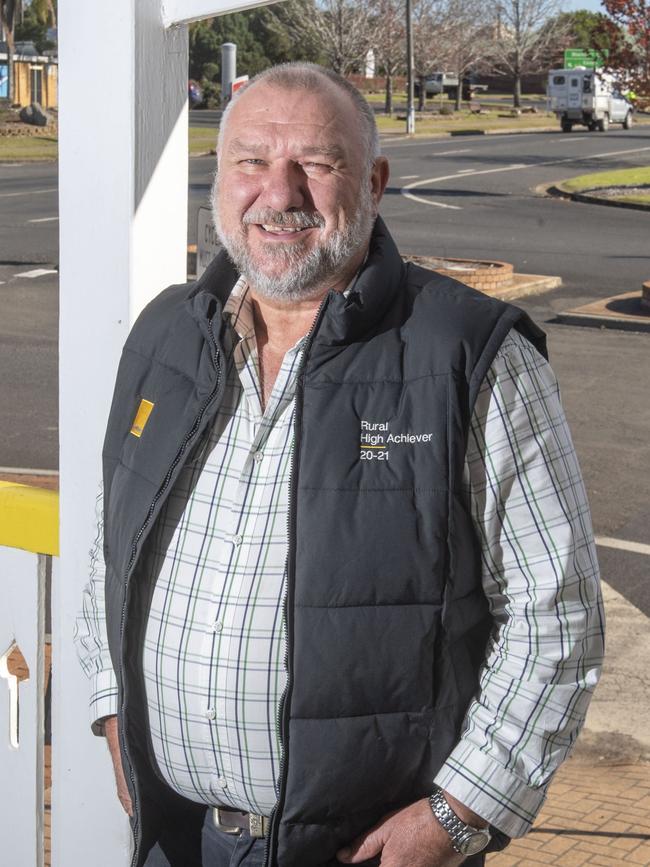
[(556, 189)]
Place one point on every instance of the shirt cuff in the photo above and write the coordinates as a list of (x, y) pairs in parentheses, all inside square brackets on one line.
[(103, 699), (490, 790)]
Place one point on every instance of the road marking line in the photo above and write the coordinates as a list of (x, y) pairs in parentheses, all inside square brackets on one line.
[(28, 193), (406, 191), (408, 177), (428, 141), (451, 153), (44, 220), (429, 202), (564, 140), (623, 545), (37, 272), (464, 171)]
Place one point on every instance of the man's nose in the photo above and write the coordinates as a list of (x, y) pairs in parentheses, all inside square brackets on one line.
[(285, 187)]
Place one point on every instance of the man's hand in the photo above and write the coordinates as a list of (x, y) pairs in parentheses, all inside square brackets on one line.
[(411, 837), (113, 740)]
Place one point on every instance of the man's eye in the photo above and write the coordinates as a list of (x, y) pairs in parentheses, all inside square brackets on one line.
[(316, 167), (252, 161)]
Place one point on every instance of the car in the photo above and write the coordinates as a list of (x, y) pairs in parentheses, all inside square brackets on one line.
[(447, 82)]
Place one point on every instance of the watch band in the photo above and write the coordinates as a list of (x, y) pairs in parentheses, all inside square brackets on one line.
[(465, 839)]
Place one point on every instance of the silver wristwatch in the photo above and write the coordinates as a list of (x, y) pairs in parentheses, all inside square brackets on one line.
[(465, 839)]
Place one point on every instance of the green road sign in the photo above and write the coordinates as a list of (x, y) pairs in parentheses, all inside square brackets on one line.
[(589, 57)]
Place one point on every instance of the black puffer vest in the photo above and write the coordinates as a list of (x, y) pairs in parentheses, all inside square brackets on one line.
[(386, 620)]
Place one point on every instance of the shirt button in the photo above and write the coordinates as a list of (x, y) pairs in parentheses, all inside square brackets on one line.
[(223, 782), (258, 457), (237, 540), (211, 713), (217, 626)]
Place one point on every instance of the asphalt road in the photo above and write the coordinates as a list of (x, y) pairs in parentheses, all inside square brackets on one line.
[(476, 197)]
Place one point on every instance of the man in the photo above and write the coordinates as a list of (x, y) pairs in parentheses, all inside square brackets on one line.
[(351, 594)]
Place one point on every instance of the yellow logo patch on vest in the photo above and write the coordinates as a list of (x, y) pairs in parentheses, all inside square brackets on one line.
[(141, 417)]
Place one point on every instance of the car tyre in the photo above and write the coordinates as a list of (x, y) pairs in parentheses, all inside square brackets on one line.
[(627, 123), (603, 123), (567, 126)]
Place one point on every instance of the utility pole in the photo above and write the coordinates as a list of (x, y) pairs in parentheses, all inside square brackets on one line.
[(410, 108)]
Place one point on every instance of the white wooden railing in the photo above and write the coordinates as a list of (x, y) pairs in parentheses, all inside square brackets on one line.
[(28, 543)]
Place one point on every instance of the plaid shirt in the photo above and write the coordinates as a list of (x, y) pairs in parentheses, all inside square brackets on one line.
[(214, 645)]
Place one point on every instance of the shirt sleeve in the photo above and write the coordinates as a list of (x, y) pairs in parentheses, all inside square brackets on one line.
[(540, 576), (90, 633)]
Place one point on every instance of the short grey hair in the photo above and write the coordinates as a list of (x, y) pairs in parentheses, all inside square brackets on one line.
[(309, 76)]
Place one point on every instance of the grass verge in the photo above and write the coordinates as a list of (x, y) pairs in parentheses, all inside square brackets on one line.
[(465, 121), (203, 140), (618, 177), (634, 198), (28, 148), (633, 178)]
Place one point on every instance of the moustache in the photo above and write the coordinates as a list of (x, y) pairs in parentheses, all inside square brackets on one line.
[(290, 219)]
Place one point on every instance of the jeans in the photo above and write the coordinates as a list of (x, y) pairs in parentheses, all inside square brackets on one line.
[(217, 849), (226, 850)]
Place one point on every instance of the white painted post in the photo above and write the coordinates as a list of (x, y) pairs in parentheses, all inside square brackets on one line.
[(123, 177), (123, 215)]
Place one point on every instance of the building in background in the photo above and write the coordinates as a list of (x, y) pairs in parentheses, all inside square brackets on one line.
[(35, 76)]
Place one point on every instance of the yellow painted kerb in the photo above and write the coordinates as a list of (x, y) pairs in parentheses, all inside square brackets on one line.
[(29, 518)]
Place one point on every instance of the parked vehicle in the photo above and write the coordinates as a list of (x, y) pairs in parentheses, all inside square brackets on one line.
[(447, 82), (587, 97)]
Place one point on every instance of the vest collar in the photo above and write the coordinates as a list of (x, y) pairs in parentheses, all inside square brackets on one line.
[(347, 318)]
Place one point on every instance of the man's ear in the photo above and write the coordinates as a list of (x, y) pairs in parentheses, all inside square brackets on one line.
[(379, 178)]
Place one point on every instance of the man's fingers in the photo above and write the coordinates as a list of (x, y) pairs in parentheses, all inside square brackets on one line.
[(362, 849)]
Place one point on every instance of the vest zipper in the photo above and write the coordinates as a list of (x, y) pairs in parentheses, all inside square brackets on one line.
[(282, 721), (134, 550)]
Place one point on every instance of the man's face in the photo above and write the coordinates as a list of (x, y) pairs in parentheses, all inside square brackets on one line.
[(295, 199)]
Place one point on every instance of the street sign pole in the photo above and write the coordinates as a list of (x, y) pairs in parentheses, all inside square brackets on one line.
[(410, 108)]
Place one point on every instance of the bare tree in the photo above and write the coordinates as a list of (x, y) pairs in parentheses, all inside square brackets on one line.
[(467, 37), (430, 50), (390, 42), (524, 34), (342, 29)]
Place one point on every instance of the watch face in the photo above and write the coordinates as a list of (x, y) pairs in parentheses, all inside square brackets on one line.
[(472, 844)]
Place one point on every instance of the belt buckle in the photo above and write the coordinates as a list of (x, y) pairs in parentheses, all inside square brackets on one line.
[(257, 825), (227, 829)]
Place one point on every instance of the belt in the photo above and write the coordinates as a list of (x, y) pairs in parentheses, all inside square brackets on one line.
[(234, 822)]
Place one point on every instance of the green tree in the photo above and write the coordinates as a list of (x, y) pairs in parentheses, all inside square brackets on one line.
[(37, 18), (204, 48), (261, 35), (582, 28), (44, 11)]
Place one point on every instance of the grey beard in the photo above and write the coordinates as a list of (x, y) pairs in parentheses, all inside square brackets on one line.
[(304, 275)]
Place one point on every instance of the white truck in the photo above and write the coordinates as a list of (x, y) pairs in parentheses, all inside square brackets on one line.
[(588, 97)]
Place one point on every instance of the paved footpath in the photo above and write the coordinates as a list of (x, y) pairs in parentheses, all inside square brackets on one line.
[(594, 814), (598, 806)]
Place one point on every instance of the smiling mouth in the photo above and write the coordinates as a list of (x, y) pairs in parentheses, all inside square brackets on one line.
[(283, 230)]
